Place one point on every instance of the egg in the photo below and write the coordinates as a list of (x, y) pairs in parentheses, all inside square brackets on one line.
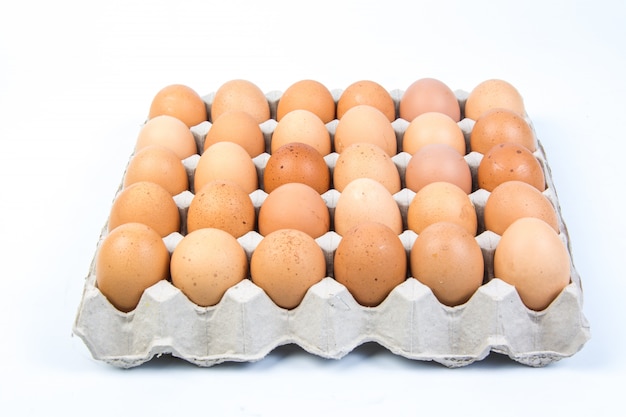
[(226, 161), (366, 92), (513, 200), (433, 127), (370, 261), (501, 126), (364, 123), (308, 95), (448, 260), (365, 199), (507, 162), (531, 257), (130, 259), (368, 160), (160, 165), (438, 162), (148, 203), (441, 201), (170, 132), (181, 102), (206, 263), (239, 127), (224, 205), (491, 94), (294, 206), (286, 264), (241, 95), (429, 95), (301, 126), (296, 162)]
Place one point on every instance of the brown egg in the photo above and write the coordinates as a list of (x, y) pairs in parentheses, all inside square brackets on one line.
[(370, 261), (130, 259), (531, 256), (226, 161), (492, 94), (148, 203), (224, 205), (179, 101), (501, 126), (513, 200), (239, 127), (366, 160), (438, 162), (160, 165), (433, 127), (429, 95), (366, 92), (448, 260), (365, 199), (240, 95), (441, 201), (508, 162), (367, 124), (285, 264), (308, 95), (296, 162), (294, 206), (206, 263), (170, 132), (301, 126)]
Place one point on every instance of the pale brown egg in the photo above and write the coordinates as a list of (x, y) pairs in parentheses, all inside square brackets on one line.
[(309, 95), (370, 261), (242, 95), (438, 162), (364, 123), (429, 95), (513, 200), (366, 92), (508, 162), (448, 260), (206, 263), (239, 127), (296, 162), (148, 203), (492, 94), (433, 127), (181, 102), (367, 160), (531, 257), (365, 199), (160, 165), (170, 132), (222, 204), (501, 126), (226, 161), (441, 201), (130, 259), (303, 126), (286, 264), (294, 206)]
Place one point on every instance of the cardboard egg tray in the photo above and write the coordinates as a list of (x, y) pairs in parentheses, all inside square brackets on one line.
[(246, 325)]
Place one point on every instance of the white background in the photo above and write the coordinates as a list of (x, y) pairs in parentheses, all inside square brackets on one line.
[(76, 81)]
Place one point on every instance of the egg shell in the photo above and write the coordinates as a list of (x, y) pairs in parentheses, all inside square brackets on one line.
[(491, 94), (507, 162), (296, 162), (501, 126), (366, 160), (170, 132), (366, 92), (239, 127), (226, 161), (364, 123), (433, 127), (429, 95), (160, 165), (303, 126), (309, 95), (181, 102), (242, 95), (438, 162)]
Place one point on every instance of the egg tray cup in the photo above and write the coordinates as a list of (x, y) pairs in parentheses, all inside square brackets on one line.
[(246, 325)]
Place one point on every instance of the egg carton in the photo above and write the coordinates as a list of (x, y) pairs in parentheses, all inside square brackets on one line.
[(246, 325)]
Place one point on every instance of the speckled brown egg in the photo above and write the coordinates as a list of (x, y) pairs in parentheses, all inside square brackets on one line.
[(170, 132), (302, 126), (370, 261), (160, 165), (364, 123), (179, 101), (429, 95), (296, 162), (130, 259), (507, 162), (433, 127), (366, 160), (366, 92), (492, 94), (501, 126), (239, 127), (309, 95), (226, 161), (438, 162), (242, 95)]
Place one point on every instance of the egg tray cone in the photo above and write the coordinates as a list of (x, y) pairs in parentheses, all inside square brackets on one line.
[(246, 325)]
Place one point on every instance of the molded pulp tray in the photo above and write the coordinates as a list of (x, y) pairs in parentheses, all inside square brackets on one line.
[(246, 325)]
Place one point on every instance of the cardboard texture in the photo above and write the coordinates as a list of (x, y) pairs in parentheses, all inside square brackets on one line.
[(246, 325)]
